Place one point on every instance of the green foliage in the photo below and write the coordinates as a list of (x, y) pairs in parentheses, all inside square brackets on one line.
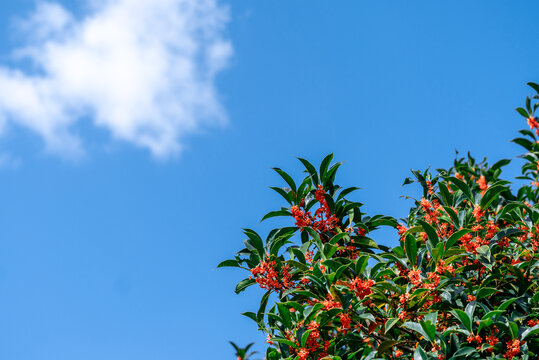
[(242, 353), (461, 281)]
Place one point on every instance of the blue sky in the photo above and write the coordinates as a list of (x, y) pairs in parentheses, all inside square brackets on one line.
[(111, 227)]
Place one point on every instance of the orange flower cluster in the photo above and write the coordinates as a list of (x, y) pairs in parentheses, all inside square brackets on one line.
[(431, 210), (471, 244), (403, 315), (471, 338), (303, 353), (322, 221), (482, 184), (303, 218), (345, 321), (491, 340), (269, 278), (329, 303), (325, 221), (492, 229), (430, 189), (404, 298), (313, 344), (401, 230), (362, 288), (477, 213), (533, 124), (415, 277), (441, 268), (434, 280), (513, 348)]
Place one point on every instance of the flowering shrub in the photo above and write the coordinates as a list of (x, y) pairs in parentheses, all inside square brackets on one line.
[(461, 282)]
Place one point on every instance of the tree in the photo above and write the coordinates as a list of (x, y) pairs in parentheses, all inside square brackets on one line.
[(461, 282)]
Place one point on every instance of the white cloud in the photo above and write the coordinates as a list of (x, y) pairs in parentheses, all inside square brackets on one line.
[(142, 69)]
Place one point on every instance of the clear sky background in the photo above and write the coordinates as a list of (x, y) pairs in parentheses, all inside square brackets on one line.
[(111, 227)]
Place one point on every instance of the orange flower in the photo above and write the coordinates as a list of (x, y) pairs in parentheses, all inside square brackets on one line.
[(403, 315), (482, 184), (414, 277), (477, 213), (362, 288), (533, 123), (303, 353)]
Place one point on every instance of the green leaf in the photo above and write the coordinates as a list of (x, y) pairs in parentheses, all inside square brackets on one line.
[(484, 292), (365, 242), (330, 176), (285, 315), (514, 329), (386, 346), (254, 241), (298, 254), (534, 86), (262, 308), (310, 313), (431, 232), (464, 319), (500, 163), (311, 170), (506, 233), (324, 165), (490, 195), (276, 213), (390, 322), (298, 265), (345, 192), (330, 250), (525, 143), (250, 315), (531, 331), (283, 193), (522, 112), (286, 178), (465, 351), (506, 304), (410, 244), (453, 215), (316, 239), (284, 341), (429, 329), (416, 327), (507, 209), (338, 237), (244, 284), (361, 264), (463, 187), (272, 354), (432, 317), (230, 263), (419, 354), (305, 337), (492, 314), (455, 237)]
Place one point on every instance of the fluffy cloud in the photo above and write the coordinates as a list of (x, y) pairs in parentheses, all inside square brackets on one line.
[(142, 69)]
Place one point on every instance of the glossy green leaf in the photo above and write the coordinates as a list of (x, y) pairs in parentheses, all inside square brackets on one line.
[(410, 244), (464, 319)]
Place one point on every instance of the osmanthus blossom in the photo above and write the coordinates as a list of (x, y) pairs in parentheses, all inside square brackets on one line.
[(460, 282)]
